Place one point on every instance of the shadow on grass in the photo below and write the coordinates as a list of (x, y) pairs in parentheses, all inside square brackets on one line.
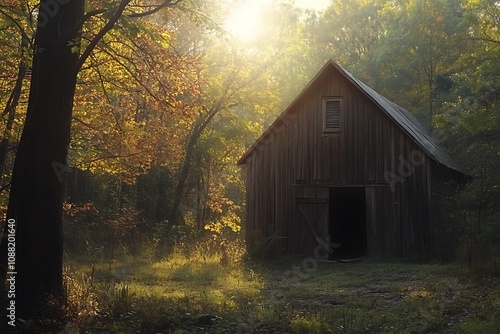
[(202, 294)]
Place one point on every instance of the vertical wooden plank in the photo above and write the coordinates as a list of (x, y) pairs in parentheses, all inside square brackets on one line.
[(399, 221)]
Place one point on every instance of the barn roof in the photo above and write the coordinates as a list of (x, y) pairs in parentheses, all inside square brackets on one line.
[(402, 117)]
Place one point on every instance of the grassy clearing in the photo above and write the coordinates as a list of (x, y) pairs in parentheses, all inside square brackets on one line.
[(206, 293)]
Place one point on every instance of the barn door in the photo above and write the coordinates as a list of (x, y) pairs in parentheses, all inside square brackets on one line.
[(314, 222), (347, 221)]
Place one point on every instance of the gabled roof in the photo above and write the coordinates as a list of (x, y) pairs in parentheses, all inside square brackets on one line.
[(402, 117)]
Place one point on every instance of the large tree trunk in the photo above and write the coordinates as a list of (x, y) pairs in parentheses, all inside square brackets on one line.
[(36, 196)]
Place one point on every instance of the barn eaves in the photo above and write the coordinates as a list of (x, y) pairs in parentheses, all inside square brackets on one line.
[(402, 117)]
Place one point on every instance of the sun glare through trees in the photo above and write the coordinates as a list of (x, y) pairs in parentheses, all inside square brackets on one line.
[(247, 18), (126, 208)]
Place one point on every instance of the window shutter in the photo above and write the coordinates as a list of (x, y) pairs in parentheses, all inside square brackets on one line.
[(332, 115)]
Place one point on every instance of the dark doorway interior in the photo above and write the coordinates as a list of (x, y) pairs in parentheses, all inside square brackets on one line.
[(347, 221)]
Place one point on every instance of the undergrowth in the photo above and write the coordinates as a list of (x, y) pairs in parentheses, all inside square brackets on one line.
[(209, 287)]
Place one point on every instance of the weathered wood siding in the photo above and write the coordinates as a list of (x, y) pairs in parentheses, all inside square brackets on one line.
[(445, 185), (298, 155)]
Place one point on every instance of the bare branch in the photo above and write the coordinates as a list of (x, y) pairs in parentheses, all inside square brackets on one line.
[(166, 3), (79, 120)]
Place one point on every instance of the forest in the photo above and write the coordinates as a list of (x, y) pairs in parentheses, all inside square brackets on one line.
[(121, 125)]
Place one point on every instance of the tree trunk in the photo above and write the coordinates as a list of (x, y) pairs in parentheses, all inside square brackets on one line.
[(36, 196), (196, 133), (183, 175)]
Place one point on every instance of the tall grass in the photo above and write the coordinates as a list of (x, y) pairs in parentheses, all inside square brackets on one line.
[(208, 287), (143, 295)]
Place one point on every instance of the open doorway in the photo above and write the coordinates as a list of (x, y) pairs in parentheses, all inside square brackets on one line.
[(347, 221)]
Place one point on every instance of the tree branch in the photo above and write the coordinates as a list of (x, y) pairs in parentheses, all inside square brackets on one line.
[(104, 30), (23, 32), (484, 39), (166, 3), (93, 13), (112, 22), (4, 187)]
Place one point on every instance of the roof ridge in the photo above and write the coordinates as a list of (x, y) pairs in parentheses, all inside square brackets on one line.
[(411, 126), (401, 116)]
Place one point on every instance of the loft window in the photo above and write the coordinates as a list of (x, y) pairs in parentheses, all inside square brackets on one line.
[(332, 115)]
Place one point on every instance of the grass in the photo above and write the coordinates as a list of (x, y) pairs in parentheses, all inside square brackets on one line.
[(194, 292)]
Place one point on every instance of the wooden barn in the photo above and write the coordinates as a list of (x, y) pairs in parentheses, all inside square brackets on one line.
[(343, 163)]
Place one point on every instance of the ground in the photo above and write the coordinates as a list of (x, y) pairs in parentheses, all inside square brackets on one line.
[(195, 293)]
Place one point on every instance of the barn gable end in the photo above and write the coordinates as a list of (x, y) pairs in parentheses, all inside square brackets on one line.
[(343, 162)]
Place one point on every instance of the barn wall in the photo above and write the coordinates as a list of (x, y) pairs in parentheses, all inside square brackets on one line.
[(445, 185), (299, 155)]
